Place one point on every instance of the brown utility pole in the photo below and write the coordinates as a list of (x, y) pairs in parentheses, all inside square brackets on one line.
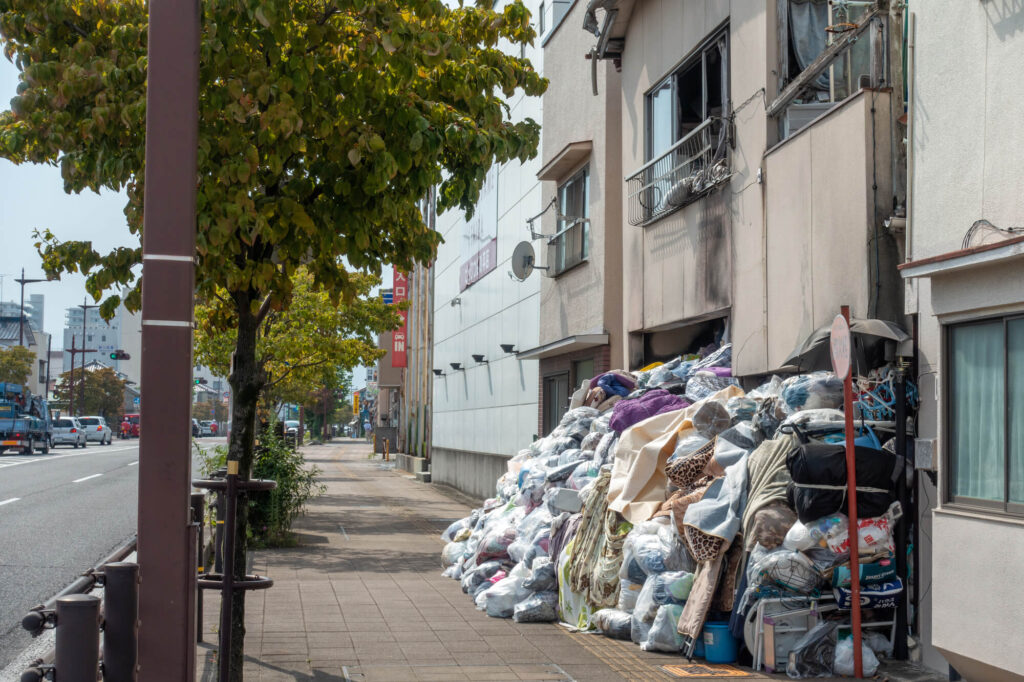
[(167, 536)]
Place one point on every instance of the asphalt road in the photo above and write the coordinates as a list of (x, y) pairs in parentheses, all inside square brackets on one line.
[(59, 515)]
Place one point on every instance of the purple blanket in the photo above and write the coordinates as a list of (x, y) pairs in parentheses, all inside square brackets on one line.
[(629, 412)]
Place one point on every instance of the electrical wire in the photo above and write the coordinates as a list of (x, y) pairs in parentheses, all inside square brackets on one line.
[(986, 225)]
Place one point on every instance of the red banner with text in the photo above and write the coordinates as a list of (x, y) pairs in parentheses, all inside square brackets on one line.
[(400, 292)]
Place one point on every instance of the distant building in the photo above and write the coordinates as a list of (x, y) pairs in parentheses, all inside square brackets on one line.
[(33, 310), (122, 332), (33, 339)]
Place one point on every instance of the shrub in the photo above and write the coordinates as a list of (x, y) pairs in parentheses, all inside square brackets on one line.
[(271, 513)]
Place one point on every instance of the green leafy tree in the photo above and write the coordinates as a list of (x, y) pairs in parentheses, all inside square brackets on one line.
[(323, 123), (97, 392), (16, 364)]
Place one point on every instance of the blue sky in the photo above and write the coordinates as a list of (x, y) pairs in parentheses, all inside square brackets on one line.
[(33, 197)]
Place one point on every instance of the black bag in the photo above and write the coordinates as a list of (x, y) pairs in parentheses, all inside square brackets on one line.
[(819, 487)]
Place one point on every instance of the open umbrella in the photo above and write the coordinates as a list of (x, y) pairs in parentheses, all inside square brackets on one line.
[(813, 353)]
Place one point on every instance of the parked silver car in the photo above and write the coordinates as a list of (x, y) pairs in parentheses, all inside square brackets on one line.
[(96, 429), (68, 431)]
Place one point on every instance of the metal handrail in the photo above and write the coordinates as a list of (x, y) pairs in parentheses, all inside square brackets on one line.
[(683, 140)]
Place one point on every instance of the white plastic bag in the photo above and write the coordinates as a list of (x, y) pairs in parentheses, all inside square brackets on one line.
[(500, 600), (663, 635), (628, 593), (452, 553), (844, 659)]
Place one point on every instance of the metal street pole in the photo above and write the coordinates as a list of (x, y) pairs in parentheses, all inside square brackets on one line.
[(71, 382), (167, 536), (21, 317)]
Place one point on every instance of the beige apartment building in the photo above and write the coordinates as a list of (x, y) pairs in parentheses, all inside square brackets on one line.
[(579, 233), (965, 251)]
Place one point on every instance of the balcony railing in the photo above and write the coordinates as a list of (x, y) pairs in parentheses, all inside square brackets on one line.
[(691, 168)]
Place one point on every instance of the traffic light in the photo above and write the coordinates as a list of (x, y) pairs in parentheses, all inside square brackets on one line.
[(120, 355), (200, 380)]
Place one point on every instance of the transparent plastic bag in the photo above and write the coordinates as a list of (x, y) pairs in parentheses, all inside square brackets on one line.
[(662, 635), (687, 446), (812, 391), (449, 533), (711, 419), (844, 659), (542, 576), (613, 623), (672, 587), (500, 600), (628, 593), (741, 408), (591, 441), (452, 553), (814, 653), (541, 607)]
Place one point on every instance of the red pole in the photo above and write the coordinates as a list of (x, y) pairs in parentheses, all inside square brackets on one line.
[(851, 495)]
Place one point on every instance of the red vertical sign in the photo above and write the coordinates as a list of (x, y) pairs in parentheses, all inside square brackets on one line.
[(398, 337)]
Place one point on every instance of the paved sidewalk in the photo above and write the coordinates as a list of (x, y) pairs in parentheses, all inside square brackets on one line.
[(362, 598)]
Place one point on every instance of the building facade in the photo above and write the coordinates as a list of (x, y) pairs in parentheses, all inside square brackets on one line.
[(485, 398), (965, 251), (102, 337), (579, 233), (14, 330)]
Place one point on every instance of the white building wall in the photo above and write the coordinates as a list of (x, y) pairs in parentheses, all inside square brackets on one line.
[(967, 166), (488, 412)]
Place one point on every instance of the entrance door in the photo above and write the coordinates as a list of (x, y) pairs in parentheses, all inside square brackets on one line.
[(556, 400)]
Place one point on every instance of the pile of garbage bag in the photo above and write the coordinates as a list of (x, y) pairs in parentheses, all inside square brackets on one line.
[(670, 496)]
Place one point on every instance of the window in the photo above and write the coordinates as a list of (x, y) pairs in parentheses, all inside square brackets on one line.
[(582, 370), (693, 93), (985, 413), (556, 400), (571, 244), (540, 18)]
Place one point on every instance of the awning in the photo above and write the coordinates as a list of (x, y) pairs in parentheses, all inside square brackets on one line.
[(565, 160), (562, 346), (955, 261)]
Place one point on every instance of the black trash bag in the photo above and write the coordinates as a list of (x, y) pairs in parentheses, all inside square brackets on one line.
[(819, 479)]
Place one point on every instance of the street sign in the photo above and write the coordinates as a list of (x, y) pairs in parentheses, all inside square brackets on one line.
[(135, 400), (839, 344)]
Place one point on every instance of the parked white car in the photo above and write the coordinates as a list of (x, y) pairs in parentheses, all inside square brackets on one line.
[(68, 431), (96, 429)]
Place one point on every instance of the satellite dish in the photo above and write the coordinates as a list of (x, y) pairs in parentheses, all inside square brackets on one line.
[(522, 260)]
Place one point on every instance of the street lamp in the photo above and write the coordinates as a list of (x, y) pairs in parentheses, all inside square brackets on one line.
[(21, 317)]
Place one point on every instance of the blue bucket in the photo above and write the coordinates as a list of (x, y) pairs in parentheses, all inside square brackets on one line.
[(719, 644)]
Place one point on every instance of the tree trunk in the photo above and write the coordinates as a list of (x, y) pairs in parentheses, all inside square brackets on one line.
[(247, 380)]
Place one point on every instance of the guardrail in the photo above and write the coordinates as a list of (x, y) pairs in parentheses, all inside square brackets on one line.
[(77, 619)]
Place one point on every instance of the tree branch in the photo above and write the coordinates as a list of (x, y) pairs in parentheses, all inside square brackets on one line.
[(76, 29), (264, 309), (292, 368)]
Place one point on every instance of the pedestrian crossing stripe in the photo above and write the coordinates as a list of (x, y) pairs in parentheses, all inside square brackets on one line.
[(705, 670)]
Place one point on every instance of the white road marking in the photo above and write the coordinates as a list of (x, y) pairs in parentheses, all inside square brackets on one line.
[(85, 478), (13, 499), (131, 464), (6, 462)]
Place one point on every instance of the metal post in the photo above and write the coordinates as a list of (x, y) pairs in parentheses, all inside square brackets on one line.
[(71, 381), (46, 388), (21, 316), (900, 645), (851, 482), (167, 565), (78, 638), (120, 621), (218, 534), (199, 518), (228, 576)]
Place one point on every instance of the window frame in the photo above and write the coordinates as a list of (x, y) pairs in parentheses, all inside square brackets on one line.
[(697, 55), (548, 422), (1006, 507), (559, 246)]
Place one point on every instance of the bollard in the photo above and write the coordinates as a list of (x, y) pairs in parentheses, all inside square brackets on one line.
[(78, 638), (386, 453), (120, 621), (228, 579), (199, 517)]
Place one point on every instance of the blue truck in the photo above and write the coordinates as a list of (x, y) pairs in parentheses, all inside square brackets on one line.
[(24, 421)]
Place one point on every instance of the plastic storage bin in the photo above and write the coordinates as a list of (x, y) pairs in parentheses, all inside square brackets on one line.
[(719, 644)]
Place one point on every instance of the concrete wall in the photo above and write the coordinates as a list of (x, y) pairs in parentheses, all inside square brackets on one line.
[(966, 167), (588, 297), (821, 215), (490, 409), (474, 473)]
